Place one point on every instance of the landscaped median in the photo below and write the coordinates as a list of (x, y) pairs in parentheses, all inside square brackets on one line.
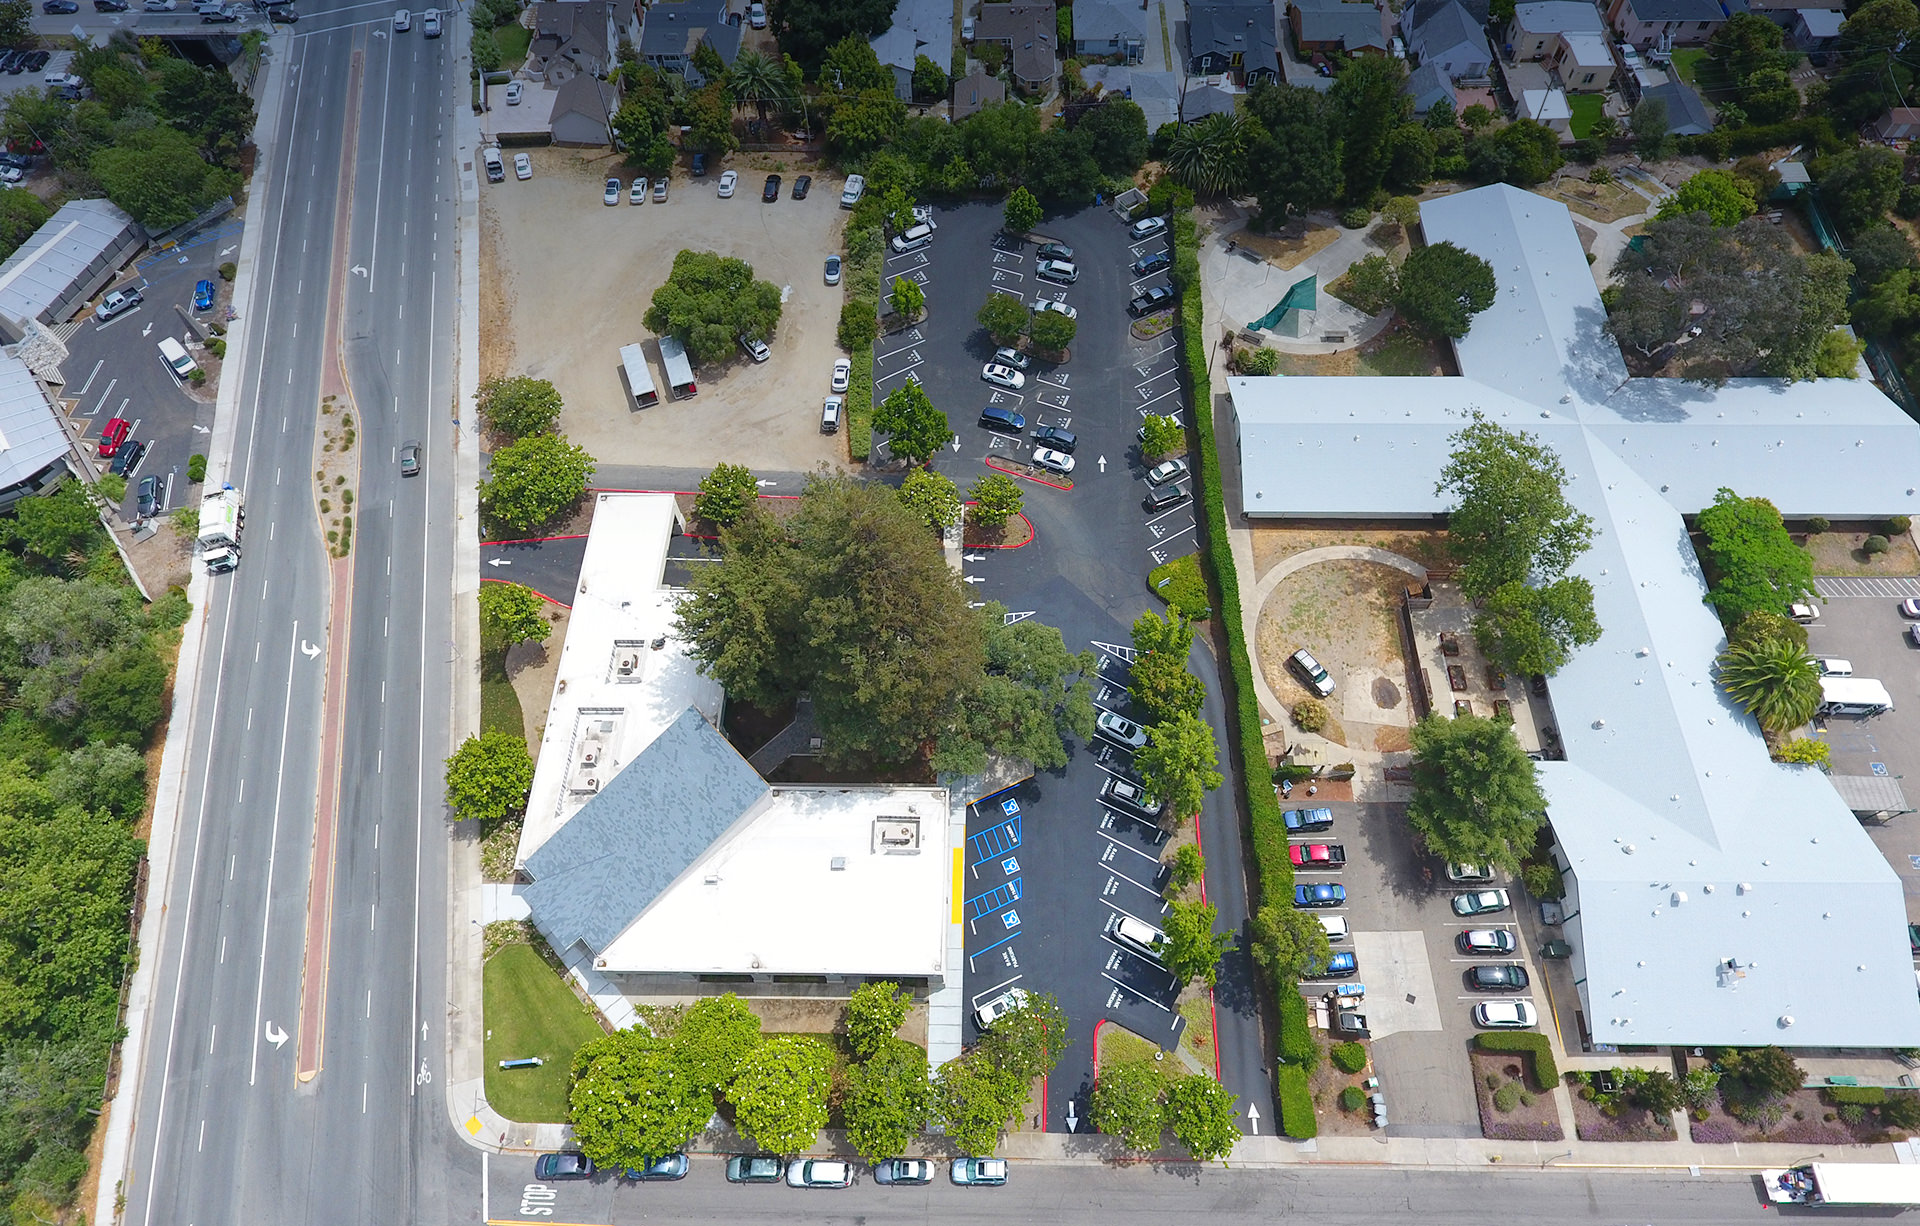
[(862, 279)]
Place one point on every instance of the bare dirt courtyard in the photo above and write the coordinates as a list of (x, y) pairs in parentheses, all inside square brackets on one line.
[(567, 280)]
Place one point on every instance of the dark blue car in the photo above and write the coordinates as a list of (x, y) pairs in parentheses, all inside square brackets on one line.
[(1340, 966), (203, 295), (1319, 895), (1307, 819)]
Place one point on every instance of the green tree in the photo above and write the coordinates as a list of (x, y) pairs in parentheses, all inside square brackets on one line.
[(1289, 943), (1769, 96), (101, 777), (1004, 317), (708, 301), (488, 777), (1027, 1042), (14, 16), (1034, 694), (1052, 331), (1859, 186), (1410, 154), (119, 697), (726, 493), (807, 29), (1368, 102), (55, 525), (1511, 521), (1125, 1103), (852, 66), (1877, 252), (518, 406), (908, 298), (708, 112), (1717, 193), (1203, 1116), (1372, 283), (973, 1101), (1752, 560), (1776, 682), (1838, 356), (933, 497), (713, 1039), (1194, 949), (779, 1092), (510, 614), (1061, 168), (996, 499), (1295, 163), (915, 429), (1476, 796), (21, 213), (1764, 625), (999, 139), (1116, 133), (1160, 683), (1161, 436), (532, 481), (875, 1011), (758, 82), (1651, 137), (1021, 215), (929, 79), (863, 122), (1211, 156), (1186, 867), (1528, 630), (1745, 44), (1763, 1072), (888, 1100), (1177, 763), (1891, 306), (208, 105), (1442, 287), (633, 1100), (159, 176)]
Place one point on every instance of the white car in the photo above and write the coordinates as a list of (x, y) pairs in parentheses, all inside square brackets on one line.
[(1470, 874), (1000, 1006), (1146, 226), (402, 19), (430, 23), (815, 1173), (11, 174), (1057, 461), (1505, 1015), (842, 372), (1061, 308), (1120, 730), (755, 347), (757, 15), (612, 194), (522, 166), (158, 6), (1003, 376), (1167, 470), (1142, 938), (638, 193), (515, 90), (727, 181)]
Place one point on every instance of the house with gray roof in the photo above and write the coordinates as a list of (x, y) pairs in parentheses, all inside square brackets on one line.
[(1109, 27), (1713, 896), (1428, 87), (1537, 23), (1658, 25), (920, 27), (672, 29), (1163, 97), (570, 37), (976, 91), (1687, 115), (1447, 36), (583, 108), (1338, 27), (1239, 37), (1031, 34)]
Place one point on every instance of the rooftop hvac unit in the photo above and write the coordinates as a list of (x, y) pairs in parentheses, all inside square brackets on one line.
[(629, 663)]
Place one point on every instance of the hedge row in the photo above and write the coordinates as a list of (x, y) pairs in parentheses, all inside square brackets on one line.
[(1871, 1096), (1546, 1073), (1722, 143), (861, 276), (1296, 1102), (1297, 1044)]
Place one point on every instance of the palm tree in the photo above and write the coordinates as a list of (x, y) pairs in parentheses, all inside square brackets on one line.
[(1209, 156), (1774, 679), (758, 80)]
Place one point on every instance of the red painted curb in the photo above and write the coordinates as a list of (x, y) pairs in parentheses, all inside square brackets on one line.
[(1032, 532), (1052, 485), (1213, 1007)]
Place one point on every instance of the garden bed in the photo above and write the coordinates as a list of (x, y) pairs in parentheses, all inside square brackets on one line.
[(1017, 531), (1627, 1123), (1804, 1118), (1327, 1082), (1840, 553), (1529, 1114)]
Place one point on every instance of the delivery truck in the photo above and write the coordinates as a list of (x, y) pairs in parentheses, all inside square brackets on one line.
[(222, 514), (1844, 1183)]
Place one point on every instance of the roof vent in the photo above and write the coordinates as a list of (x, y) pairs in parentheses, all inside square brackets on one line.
[(1707, 889), (1679, 896), (1745, 887), (713, 878), (838, 864), (1627, 848), (659, 642), (1786, 1020)]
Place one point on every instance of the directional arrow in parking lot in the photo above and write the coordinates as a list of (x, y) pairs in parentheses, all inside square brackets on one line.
[(973, 557), (1103, 463), (147, 331), (1253, 1119), (1073, 1121), (763, 484), (498, 562), (975, 579), (956, 442)]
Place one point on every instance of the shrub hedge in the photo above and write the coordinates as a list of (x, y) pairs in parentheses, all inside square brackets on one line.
[(1546, 1072), (1296, 1102), (1349, 1057), (861, 276), (1182, 585), (1297, 1044), (1864, 1095)]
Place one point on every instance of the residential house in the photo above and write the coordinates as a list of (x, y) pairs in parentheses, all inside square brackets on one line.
[(1538, 24), (1109, 28), (1815, 30), (1714, 897), (1549, 108), (1338, 27), (1687, 115), (1030, 33), (583, 105), (1163, 97), (1239, 37), (570, 37), (976, 91), (920, 27), (1900, 123), (1662, 24), (1446, 35), (1583, 60), (672, 29), (1428, 87)]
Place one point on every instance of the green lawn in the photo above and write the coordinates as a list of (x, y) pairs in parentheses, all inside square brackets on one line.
[(530, 1011), (1587, 110), (499, 705), (513, 41)]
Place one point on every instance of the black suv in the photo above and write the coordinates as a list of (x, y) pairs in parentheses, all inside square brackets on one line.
[(1160, 497), (1152, 263), (127, 457)]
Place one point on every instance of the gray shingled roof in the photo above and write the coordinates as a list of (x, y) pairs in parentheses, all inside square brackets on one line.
[(1445, 28), (1676, 10), (1102, 21), (1686, 114), (608, 863), (669, 26), (1223, 27)]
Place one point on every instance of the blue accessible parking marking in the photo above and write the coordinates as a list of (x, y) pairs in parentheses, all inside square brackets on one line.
[(1010, 865), (1878, 768), (995, 841), (994, 899)]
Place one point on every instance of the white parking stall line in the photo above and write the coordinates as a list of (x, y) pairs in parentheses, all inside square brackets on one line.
[(1168, 514), (1001, 395), (1172, 391), (906, 370), (1117, 875), (1123, 847), (913, 344), (1152, 379), (1108, 815), (1147, 359), (995, 990), (1057, 403), (1005, 276), (1136, 991), (1056, 378)]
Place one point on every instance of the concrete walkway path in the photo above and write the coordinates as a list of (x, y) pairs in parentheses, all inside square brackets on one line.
[(1239, 286)]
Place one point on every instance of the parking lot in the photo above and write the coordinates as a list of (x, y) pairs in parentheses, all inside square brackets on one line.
[(568, 280)]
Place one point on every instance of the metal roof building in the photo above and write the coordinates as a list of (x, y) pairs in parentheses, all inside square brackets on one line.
[(33, 440), (1713, 896), (67, 261)]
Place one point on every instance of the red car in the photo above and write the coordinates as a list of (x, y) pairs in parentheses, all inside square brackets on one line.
[(1317, 855), (112, 436)]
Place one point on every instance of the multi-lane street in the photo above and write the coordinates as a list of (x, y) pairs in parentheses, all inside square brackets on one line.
[(291, 1071)]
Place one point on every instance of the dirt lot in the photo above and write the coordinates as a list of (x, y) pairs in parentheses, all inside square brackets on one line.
[(1343, 612), (568, 279)]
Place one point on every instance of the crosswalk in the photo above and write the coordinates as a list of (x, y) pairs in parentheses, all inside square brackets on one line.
[(1835, 587)]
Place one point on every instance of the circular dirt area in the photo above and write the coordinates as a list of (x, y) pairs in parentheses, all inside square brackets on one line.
[(1344, 612)]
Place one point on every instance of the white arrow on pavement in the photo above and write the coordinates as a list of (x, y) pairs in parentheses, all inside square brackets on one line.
[(203, 430), (975, 579), (275, 1035), (229, 251), (147, 331), (498, 562), (973, 557), (1253, 1118), (1103, 463), (1073, 1121), (956, 442), (764, 484), (308, 649), (358, 270)]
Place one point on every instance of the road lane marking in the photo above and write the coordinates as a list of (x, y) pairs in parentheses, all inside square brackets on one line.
[(273, 847)]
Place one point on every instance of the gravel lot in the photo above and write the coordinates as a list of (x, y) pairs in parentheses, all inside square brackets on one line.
[(568, 280)]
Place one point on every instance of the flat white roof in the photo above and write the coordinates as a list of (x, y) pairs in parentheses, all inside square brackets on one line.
[(620, 611)]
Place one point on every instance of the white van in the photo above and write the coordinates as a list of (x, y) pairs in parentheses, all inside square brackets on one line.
[(851, 193), (496, 169), (914, 239), (1855, 696), (1336, 926), (174, 354), (1833, 667)]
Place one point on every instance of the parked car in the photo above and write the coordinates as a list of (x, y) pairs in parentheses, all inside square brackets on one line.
[(225, 13), (894, 1172), (842, 373), (203, 295), (1003, 376), (980, 1172), (830, 414), (1469, 874), (1126, 794), (754, 1168), (1342, 965), (1486, 941), (1120, 730), (612, 194), (402, 19), (147, 501), (637, 194), (1804, 613), (660, 1170), (1504, 1015), (1058, 308), (112, 435), (1480, 902), (410, 458), (567, 1164), (1311, 672), (1167, 470), (698, 166), (755, 347), (517, 90), (1156, 299), (522, 166), (1012, 357), (1147, 226), (833, 270), (1910, 607), (117, 302), (1063, 271), (127, 458), (1323, 894), (1051, 460), (60, 6), (1299, 821), (1139, 936), (1055, 438), (1146, 265), (660, 190), (1000, 1006), (19, 161), (11, 174), (817, 1173), (1318, 855), (728, 180), (1160, 497), (1497, 977), (757, 15), (771, 191), (1054, 251), (801, 186), (111, 6)]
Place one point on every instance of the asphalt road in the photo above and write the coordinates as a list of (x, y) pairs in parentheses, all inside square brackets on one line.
[(223, 1132), (1085, 573)]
